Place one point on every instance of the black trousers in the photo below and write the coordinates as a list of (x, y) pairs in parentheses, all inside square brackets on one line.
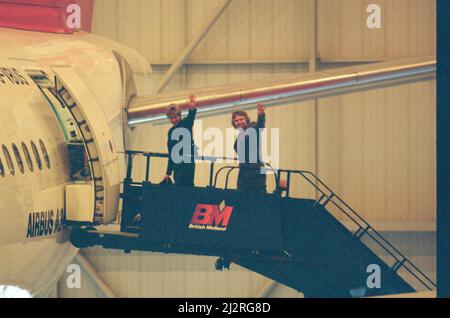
[(183, 174), (251, 179)]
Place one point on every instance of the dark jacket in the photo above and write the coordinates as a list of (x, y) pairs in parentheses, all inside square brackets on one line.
[(186, 123), (243, 146), (250, 177)]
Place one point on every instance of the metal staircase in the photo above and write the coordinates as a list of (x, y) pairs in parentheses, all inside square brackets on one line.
[(359, 228), (320, 247)]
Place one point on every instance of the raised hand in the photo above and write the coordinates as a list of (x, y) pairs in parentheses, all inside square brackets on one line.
[(191, 101), (261, 108)]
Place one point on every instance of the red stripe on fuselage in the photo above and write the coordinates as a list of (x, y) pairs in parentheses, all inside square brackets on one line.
[(33, 18), (43, 15)]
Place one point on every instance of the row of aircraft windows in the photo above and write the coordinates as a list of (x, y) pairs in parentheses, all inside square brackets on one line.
[(28, 158)]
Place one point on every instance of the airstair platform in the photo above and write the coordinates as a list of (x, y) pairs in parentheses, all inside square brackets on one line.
[(302, 243)]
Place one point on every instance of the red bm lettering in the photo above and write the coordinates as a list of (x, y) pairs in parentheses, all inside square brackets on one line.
[(206, 214), (221, 218), (202, 214)]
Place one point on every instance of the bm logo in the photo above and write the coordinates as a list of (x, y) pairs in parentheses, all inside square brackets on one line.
[(211, 217)]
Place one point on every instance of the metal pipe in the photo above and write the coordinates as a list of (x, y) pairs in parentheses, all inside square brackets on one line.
[(266, 290), (313, 40), (313, 37), (92, 273), (191, 46), (311, 86)]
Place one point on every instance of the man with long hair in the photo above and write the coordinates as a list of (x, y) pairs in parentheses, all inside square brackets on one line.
[(247, 146)]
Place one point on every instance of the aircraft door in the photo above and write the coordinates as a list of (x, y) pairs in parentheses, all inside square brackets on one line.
[(101, 153)]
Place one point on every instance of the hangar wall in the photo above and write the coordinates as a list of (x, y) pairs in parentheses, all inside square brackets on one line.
[(268, 30), (386, 136), (375, 149)]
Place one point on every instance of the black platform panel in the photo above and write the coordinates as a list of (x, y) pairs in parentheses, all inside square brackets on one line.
[(211, 217)]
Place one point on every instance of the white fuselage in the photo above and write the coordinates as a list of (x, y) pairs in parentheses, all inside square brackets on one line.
[(34, 246)]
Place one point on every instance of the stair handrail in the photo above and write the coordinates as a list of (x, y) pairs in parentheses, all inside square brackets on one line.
[(401, 260)]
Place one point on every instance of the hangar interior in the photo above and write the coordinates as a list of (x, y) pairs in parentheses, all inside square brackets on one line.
[(376, 149)]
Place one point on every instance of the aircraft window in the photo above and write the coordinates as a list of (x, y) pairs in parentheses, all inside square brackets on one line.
[(2, 169), (45, 153), (36, 155), (18, 158), (27, 156), (8, 160)]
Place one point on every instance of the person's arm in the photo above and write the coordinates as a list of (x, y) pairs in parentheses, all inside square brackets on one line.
[(261, 116), (188, 122), (170, 161)]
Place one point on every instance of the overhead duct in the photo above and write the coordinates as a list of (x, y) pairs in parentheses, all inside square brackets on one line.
[(321, 84)]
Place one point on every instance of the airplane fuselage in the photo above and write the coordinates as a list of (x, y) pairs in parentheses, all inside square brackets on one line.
[(34, 162)]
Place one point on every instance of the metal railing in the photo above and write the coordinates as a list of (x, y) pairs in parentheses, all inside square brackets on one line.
[(327, 196), (148, 155)]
